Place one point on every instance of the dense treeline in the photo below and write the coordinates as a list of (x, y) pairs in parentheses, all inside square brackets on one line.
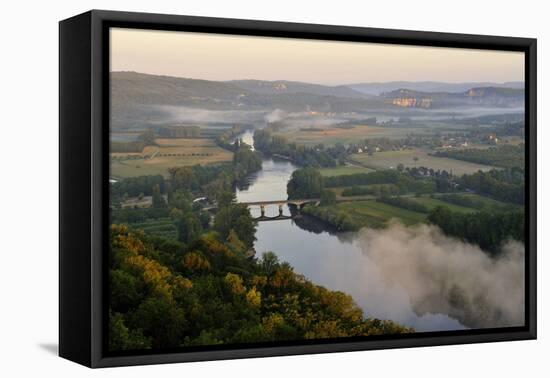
[(134, 186), (136, 215), (305, 183), (334, 216), (179, 132), (226, 139), (214, 179), (506, 156), (245, 161), (135, 146), (317, 156), (506, 185), (486, 229), (146, 138), (166, 294), (377, 177), (194, 178)]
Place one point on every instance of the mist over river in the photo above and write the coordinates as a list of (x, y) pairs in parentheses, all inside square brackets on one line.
[(335, 260)]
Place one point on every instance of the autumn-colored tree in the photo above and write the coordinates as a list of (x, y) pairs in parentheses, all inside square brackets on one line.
[(195, 262)]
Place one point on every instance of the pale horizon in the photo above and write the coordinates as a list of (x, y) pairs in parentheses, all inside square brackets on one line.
[(220, 57)]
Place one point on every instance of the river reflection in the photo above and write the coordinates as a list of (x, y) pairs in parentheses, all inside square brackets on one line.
[(332, 259)]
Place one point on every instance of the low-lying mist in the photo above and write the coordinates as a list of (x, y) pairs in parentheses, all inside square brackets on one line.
[(197, 115), (437, 274)]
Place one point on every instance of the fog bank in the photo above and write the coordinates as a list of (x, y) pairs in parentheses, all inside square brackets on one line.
[(437, 274)]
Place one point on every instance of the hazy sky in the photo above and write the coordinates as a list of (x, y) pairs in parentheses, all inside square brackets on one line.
[(223, 57)]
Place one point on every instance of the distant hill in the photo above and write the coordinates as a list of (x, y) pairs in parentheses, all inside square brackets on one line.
[(139, 99), (283, 87), (377, 88), (137, 88), (478, 96)]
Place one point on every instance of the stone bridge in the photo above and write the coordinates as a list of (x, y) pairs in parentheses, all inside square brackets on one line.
[(297, 203)]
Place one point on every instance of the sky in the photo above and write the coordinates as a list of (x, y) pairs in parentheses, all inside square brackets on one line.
[(225, 57)]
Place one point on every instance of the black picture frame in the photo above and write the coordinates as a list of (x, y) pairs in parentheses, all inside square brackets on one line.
[(84, 185)]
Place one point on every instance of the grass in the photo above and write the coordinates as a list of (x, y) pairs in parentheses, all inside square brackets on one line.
[(432, 203), (332, 135), (372, 213), (484, 202), (344, 170), (390, 160), (177, 152)]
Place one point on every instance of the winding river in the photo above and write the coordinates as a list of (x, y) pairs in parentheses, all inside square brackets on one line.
[(328, 258)]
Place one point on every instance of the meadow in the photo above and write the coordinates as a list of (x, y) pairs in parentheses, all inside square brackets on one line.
[(176, 152), (333, 135), (344, 170), (374, 214), (391, 159), (432, 203)]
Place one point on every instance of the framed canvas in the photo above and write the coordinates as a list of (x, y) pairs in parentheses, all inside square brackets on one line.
[(235, 188)]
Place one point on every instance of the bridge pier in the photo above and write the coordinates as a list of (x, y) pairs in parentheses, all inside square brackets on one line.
[(262, 210), (280, 210)]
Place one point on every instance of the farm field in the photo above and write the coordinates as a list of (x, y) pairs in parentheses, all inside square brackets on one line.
[(372, 213), (163, 227), (177, 152), (344, 170), (332, 135), (146, 152), (481, 202), (390, 160), (432, 203)]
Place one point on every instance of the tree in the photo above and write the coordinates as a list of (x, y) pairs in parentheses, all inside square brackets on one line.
[(269, 263), (235, 283), (226, 198), (400, 167), (122, 338), (148, 137), (195, 262), (125, 290), (234, 242), (189, 227), (181, 200), (254, 297), (305, 183), (246, 161), (162, 321), (328, 197), (236, 217), (158, 199)]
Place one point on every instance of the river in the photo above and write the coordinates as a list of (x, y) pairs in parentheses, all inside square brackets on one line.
[(332, 259)]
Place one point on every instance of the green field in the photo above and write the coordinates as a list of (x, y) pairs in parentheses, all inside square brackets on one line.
[(372, 213), (480, 202), (432, 203), (333, 135), (391, 159), (344, 170)]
